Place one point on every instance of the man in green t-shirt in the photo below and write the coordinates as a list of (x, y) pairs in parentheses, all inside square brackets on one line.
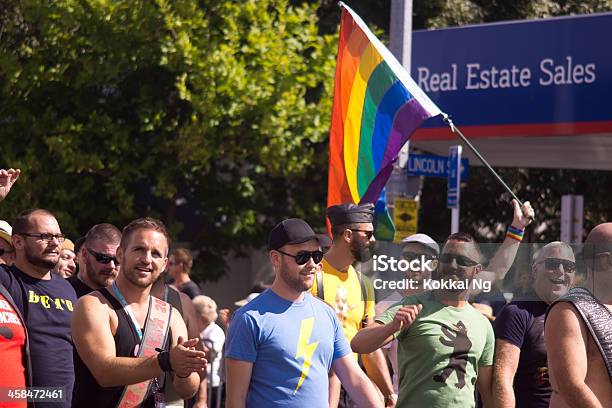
[(445, 346)]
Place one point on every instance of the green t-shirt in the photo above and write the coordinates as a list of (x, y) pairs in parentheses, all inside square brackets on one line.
[(440, 352)]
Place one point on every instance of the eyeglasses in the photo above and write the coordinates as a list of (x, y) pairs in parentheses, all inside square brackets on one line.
[(103, 258), (553, 264), (409, 256), (6, 251), (368, 234), (303, 256), (461, 260), (45, 236)]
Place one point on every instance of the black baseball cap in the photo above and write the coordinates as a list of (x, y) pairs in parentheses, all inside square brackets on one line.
[(290, 231), (350, 213)]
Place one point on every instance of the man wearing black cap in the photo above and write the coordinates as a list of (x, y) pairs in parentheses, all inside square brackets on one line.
[(282, 344), (349, 293)]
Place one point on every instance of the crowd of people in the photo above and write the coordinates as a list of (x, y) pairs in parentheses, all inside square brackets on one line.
[(114, 319)]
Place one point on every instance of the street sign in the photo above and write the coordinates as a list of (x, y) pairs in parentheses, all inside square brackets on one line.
[(430, 165), (454, 180), (405, 217)]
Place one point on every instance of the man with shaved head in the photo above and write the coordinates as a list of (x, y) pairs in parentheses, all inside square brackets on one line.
[(578, 331), (520, 371)]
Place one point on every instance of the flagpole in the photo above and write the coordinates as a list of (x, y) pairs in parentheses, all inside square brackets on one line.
[(454, 129)]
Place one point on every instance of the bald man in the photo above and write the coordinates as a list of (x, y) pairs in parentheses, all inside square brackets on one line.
[(580, 360)]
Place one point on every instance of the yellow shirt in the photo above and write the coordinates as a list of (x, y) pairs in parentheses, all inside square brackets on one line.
[(343, 293)]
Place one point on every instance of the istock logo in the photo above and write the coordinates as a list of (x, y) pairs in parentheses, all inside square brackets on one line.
[(383, 263)]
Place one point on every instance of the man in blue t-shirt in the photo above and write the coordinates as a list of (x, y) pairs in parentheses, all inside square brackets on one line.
[(44, 299), (520, 374), (281, 345)]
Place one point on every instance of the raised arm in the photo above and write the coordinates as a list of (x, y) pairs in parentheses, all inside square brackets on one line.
[(503, 259), (7, 179)]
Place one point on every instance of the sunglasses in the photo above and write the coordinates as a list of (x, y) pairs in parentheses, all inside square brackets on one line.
[(409, 256), (460, 259), (553, 264), (103, 258), (302, 257), (368, 234)]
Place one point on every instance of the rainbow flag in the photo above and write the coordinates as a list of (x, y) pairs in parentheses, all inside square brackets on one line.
[(377, 106)]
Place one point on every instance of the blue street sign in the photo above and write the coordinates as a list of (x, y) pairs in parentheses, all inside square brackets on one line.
[(430, 165), (454, 179)]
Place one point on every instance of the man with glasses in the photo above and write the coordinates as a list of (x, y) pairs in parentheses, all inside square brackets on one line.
[(7, 252), (578, 331), (282, 344), (425, 250), (445, 346), (520, 375), (350, 293), (100, 266), (45, 299)]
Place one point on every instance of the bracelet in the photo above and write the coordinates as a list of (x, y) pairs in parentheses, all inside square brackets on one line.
[(515, 233), (163, 359)]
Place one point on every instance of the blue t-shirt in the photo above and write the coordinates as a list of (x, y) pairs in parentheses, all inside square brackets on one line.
[(46, 306), (522, 323), (280, 338)]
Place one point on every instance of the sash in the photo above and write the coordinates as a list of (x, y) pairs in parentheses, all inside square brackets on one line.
[(596, 317), (155, 335)]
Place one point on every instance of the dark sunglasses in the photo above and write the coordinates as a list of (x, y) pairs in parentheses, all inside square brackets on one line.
[(460, 259), (409, 256), (302, 257), (103, 258), (368, 234), (6, 251), (553, 263)]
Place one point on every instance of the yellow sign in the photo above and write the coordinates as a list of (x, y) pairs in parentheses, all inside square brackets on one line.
[(405, 217)]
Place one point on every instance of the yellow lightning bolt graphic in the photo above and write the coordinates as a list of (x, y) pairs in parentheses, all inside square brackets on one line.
[(304, 349)]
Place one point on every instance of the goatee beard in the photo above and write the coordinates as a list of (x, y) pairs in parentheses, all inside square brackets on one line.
[(362, 254)]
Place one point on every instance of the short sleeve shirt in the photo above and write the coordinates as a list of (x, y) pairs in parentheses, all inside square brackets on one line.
[(521, 323), (292, 347), (343, 293), (47, 307), (440, 353)]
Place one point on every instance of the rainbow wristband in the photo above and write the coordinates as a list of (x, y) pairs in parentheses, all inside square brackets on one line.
[(515, 233)]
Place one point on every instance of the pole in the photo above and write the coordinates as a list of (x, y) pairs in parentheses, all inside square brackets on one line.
[(450, 123)]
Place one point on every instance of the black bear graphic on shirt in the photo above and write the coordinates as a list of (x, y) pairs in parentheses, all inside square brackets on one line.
[(457, 339)]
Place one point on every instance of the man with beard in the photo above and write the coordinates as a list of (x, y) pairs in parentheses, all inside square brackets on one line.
[(116, 355), (282, 344), (45, 299), (578, 331), (520, 375), (99, 266), (445, 346), (350, 293)]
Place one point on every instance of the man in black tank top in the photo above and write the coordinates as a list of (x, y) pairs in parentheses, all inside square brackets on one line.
[(580, 360), (108, 327)]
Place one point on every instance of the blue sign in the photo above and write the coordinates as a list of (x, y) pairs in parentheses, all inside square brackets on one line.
[(546, 76), (430, 165), (454, 179)]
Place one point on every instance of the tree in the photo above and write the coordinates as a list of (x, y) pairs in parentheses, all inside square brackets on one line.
[(211, 115)]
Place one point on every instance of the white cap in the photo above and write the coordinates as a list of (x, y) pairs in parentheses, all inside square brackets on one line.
[(6, 231), (246, 300), (422, 239)]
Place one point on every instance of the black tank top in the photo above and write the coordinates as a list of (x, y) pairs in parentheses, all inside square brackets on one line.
[(87, 392)]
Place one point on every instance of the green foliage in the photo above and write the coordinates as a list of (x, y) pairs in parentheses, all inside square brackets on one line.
[(211, 115)]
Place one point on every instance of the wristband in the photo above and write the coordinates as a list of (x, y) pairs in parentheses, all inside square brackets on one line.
[(515, 233), (163, 359)]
